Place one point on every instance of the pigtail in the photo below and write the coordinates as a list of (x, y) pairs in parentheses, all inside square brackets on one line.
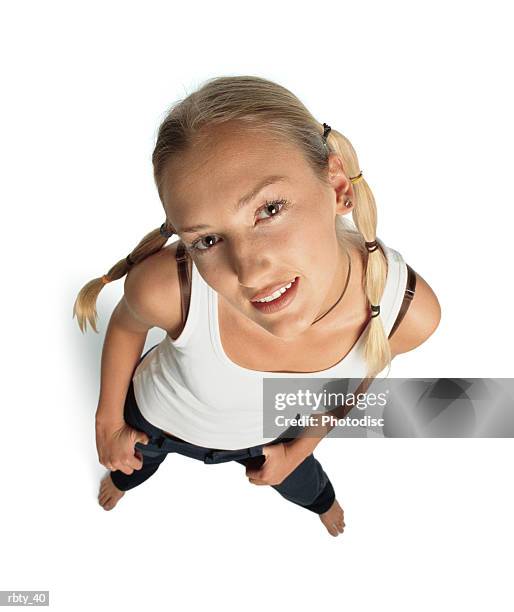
[(377, 352), (85, 304)]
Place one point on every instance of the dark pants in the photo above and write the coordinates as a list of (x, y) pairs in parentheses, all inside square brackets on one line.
[(307, 486)]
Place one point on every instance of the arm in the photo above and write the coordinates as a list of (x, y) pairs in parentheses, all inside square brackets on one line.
[(419, 323), (151, 299), (123, 345)]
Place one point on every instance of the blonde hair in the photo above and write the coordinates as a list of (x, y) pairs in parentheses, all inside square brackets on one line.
[(261, 105)]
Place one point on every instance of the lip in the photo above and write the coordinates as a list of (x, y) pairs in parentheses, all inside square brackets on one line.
[(281, 302), (269, 290)]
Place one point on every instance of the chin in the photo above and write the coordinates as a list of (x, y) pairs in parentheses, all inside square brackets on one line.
[(287, 330)]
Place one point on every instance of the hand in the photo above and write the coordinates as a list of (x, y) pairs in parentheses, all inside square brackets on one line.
[(115, 446), (280, 462)]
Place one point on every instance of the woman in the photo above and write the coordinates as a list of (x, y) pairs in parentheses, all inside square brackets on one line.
[(268, 279)]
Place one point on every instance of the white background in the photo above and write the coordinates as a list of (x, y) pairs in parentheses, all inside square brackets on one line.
[(423, 91)]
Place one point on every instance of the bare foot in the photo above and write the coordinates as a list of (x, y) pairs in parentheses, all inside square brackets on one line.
[(333, 519), (109, 494)]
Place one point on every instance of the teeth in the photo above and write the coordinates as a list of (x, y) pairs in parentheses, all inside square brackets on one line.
[(275, 295)]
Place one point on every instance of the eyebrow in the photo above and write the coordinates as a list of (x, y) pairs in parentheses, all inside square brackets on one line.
[(243, 201)]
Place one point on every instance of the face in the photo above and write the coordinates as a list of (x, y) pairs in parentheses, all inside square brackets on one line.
[(285, 231)]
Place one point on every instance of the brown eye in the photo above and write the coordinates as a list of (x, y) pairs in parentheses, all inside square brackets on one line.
[(207, 239), (274, 208)]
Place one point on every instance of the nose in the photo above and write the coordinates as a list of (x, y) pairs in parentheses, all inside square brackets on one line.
[(253, 266)]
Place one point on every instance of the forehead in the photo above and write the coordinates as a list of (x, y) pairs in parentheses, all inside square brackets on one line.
[(224, 163)]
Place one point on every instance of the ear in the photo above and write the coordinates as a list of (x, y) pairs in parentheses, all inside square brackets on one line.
[(340, 183)]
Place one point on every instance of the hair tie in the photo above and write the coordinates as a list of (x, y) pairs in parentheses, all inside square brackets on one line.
[(326, 132), (372, 246), (105, 279), (375, 310), (129, 261), (165, 231)]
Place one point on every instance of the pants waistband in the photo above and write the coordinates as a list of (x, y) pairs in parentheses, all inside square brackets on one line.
[(207, 455)]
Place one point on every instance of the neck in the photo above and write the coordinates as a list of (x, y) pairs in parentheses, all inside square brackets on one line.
[(337, 287)]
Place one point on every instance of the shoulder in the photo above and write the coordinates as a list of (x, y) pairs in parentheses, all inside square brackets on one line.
[(420, 321), (152, 290)]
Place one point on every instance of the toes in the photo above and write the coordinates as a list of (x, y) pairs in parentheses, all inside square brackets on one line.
[(341, 524), (334, 522), (331, 527), (107, 494)]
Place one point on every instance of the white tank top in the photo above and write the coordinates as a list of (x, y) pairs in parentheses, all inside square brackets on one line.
[(190, 388)]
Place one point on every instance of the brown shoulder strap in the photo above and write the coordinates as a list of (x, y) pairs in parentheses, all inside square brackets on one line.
[(182, 258), (407, 298)]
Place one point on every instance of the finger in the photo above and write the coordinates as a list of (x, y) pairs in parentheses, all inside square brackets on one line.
[(253, 473), (133, 462), (138, 461), (256, 482), (137, 464), (126, 469)]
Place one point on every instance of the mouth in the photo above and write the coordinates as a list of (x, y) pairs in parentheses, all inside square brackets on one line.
[(279, 299)]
